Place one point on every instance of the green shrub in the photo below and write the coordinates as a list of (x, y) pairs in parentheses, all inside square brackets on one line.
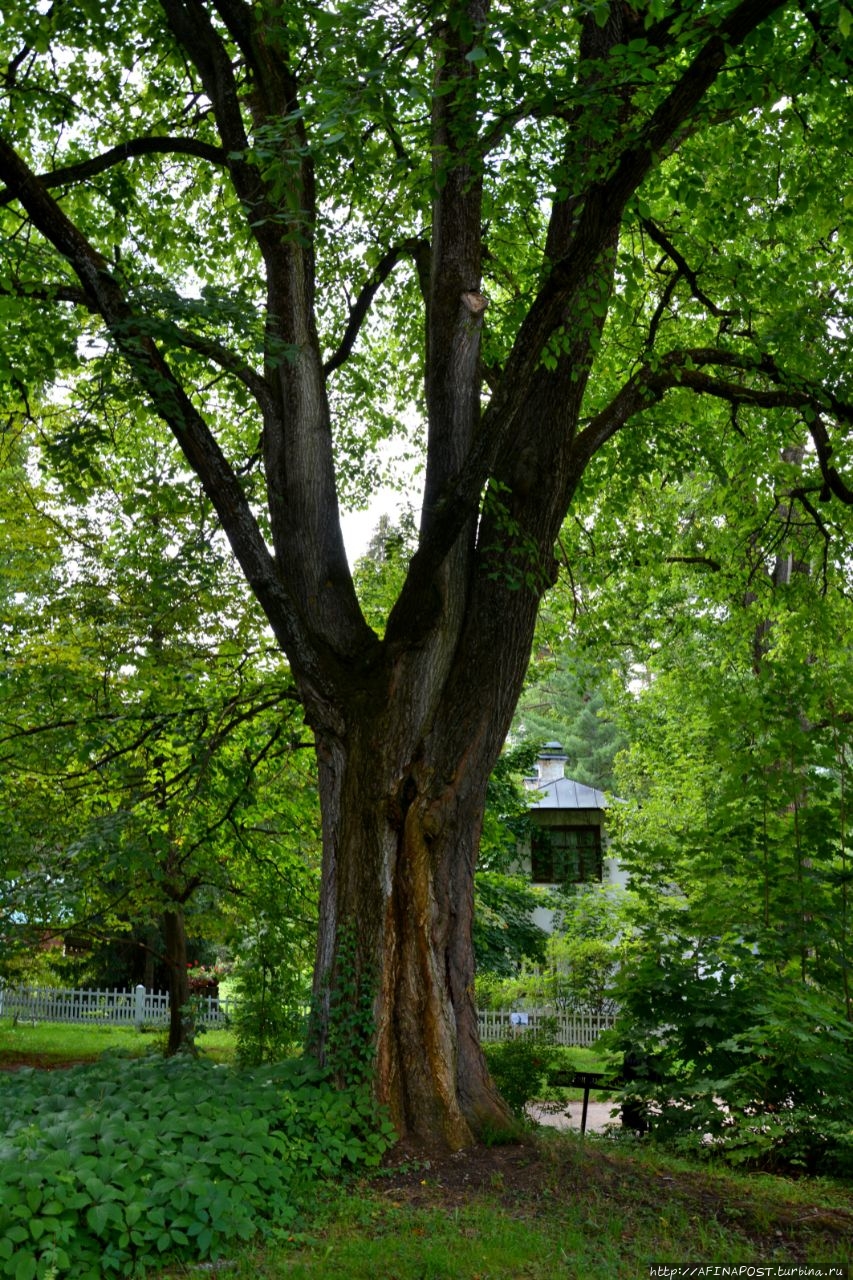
[(577, 964), (520, 1066), (272, 991), (736, 1059), (788, 1099), (111, 1169), (505, 933)]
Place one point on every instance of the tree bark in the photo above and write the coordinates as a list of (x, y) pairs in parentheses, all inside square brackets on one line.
[(181, 1029), (394, 979)]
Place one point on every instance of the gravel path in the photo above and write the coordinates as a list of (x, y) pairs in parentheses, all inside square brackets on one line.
[(598, 1115)]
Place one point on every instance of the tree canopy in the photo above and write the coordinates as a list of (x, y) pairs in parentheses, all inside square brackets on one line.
[(514, 238)]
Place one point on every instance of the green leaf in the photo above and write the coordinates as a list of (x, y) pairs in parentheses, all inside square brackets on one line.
[(25, 1266)]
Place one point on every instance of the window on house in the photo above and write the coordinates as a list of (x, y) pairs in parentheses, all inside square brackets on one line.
[(566, 855)]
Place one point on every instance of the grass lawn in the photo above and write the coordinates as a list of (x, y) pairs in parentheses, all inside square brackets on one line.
[(48, 1044), (592, 1060), (554, 1208), (53, 1044)]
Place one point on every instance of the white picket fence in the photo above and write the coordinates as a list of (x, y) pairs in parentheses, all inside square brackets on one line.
[(129, 1008), (579, 1029), (151, 1008)]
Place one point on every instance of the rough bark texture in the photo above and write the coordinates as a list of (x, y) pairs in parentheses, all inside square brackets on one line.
[(398, 875), (402, 811), (180, 1023)]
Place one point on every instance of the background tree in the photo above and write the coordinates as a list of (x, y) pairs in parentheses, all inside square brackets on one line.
[(739, 732), (646, 200), (735, 784), (566, 701), (141, 718)]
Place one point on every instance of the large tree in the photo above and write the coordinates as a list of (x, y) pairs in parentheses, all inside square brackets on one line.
[(221, 193)]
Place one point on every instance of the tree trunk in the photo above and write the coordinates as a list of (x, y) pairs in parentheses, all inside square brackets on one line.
[(394, 982), (402, 794), (181, 1027)]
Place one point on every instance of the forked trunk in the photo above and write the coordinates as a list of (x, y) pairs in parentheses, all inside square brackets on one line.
[(394, 983)]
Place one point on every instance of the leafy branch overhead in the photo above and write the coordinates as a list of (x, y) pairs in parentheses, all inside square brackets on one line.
[(278, 143), (763, 385)]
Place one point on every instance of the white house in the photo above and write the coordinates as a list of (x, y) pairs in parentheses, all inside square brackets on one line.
[(569, 842)]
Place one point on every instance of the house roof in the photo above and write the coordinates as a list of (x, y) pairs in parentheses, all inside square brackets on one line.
[(565, 793)]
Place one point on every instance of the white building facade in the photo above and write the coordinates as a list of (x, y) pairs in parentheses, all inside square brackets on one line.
[(569, 840)]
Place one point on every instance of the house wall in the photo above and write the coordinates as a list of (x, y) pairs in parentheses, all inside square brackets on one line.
[(612, 872)]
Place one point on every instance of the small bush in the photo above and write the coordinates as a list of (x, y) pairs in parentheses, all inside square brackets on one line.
[(111, 1169), (272, 992), (520, 1066)]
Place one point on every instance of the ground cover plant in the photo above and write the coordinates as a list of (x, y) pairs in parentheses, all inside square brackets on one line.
[(190, 1161), (109, 1168), (552, 1207)]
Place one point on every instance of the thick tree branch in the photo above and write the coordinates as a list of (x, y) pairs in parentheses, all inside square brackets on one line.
[(453, 327), (50, 292), (657, 37), (686, 369), (73, 173), (191, 25), (131, 335), (706, 562), (273, 176), (602, 210), (237, 17), (195, 33), (221, 356), (214, 351), (454, 323), (272, 101), (833, 482), (266, 59)]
